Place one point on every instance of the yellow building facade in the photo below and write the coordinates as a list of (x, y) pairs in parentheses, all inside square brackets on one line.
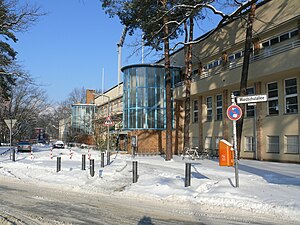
[(271, 128)]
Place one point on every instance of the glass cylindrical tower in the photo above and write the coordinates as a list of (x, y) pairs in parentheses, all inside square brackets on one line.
[(144, 96)]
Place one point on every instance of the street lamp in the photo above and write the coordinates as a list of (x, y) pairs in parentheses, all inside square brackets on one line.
[(108, 112)]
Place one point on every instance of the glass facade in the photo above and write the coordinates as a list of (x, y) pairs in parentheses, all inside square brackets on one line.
[(82, 118), (144, 96)]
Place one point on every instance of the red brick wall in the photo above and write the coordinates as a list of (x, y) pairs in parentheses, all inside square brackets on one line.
[(90, 97), (152, 141)]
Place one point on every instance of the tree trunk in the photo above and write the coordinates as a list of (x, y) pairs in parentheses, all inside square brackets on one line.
[(245, 70), (168, 80), (187, 81)]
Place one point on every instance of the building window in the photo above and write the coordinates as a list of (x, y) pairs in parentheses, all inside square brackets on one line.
[(209, 108), (208, 143), (294, 33), (216, 63), (236, 93), (273, 98), (284, 37), (219, 112), (235, 56), (280, 38), (231, 58), (274, 41), (266, 44), (195, 111), (144, 97), (292, 144), (238, 55), (273, 144), (213, 64), (291, 96), (249, 144), (250, 109)]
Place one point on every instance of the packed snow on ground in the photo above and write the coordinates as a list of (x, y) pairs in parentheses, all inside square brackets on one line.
[(265, 187)]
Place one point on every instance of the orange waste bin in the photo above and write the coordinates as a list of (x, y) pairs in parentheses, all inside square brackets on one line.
[(226, 153)]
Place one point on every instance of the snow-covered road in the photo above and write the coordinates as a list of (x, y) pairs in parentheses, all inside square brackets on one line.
[(23, 203), (27, 203), (268, 191)]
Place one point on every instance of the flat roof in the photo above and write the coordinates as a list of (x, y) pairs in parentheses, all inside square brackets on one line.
[(147, 65)]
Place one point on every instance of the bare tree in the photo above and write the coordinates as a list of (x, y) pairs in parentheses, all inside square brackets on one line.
[(63, 109), (77, 96), (245, 71), (26, 104)]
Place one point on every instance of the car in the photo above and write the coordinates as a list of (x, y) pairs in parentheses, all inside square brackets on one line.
[(84, 146), (59, 144), (24, 146)]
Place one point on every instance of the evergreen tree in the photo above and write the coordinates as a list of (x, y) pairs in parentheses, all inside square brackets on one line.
[(12, 19)]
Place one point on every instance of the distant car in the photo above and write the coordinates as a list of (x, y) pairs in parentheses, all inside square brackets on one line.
[(59, 144), (84, 146), (24, 146)]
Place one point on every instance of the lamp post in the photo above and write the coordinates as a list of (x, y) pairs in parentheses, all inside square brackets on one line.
[(108, 112)]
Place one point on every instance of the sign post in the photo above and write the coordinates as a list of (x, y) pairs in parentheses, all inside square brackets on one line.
[(108, 122), (234, 113), (10, 123)]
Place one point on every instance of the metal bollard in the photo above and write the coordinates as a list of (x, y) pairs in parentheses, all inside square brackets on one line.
[(134, 171), (14, 155), (83, 162), (108, 157), (102, 159), (101, 173), (187, 175), (58, 164), (92, 171)]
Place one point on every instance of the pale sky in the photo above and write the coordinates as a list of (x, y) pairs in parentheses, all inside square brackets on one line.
[(72, 45), (69, 47)]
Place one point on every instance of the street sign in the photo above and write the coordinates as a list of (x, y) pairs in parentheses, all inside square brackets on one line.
[(10, 123), (252, 98), (234, 112), (108, 122)]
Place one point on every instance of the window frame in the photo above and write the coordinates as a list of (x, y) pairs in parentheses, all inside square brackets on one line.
[(294, 33), (195, 111), (293, 95), (250, 108), (219, 116), (209, 110), (272, 144), (273, 98), (291, 144), (206, 142), (278, 38), (248, 144)]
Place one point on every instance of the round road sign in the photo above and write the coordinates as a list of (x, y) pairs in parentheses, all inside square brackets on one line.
[(234, 112)]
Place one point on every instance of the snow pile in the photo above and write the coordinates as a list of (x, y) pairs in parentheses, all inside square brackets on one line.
[(265, 187)]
